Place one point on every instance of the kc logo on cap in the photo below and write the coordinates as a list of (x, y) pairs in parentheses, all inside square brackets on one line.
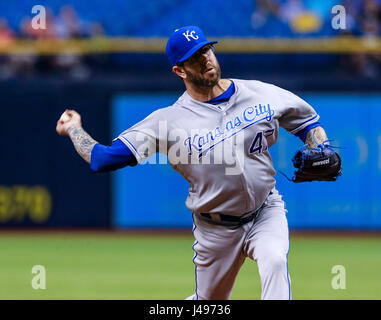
[(190, 34), (184, 42)]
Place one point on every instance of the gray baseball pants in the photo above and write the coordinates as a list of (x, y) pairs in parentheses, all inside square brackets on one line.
[(220, 252)]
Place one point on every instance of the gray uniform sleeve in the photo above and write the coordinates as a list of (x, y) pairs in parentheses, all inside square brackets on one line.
[(296, 114), (146, 137)]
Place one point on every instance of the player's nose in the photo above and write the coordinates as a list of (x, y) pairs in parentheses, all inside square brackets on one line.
[(206, 57), (206, 61)]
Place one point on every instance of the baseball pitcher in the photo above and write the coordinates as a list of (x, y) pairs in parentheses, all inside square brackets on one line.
[(218, 135)]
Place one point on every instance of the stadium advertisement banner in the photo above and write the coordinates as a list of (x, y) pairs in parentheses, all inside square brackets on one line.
[(153, 195)]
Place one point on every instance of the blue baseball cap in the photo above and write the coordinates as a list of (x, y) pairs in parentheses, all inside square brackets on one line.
[(184, 42)]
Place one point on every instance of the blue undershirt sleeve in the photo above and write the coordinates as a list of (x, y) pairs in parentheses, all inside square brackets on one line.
[(109, 158), (302, 134)]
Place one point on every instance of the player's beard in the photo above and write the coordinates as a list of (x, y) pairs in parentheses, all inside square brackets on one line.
[(202, 79)]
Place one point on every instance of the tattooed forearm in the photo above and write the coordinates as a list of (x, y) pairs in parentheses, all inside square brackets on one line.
[(315, 137), (82, 141)]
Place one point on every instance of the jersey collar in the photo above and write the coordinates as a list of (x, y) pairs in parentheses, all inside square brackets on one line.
[(188, 101)]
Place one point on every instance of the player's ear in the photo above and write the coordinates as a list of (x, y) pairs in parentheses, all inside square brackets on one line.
[(179, 71)]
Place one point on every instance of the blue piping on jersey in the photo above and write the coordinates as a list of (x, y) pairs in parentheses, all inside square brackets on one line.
[(123, 138), (303, 123), (288, 274), (302, 134), (194, 258), (288, 251), (195, 265)]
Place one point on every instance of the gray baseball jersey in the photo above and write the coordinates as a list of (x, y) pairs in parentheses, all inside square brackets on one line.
[(222, 150)]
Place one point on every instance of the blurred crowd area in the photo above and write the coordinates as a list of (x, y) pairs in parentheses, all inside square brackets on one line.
[(310, 17), (66, 24), (83, 19)]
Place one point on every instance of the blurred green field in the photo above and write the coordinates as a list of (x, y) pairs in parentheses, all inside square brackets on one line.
[(123, 266)]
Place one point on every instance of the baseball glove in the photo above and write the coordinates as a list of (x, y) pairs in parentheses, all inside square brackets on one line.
[(318, 164)]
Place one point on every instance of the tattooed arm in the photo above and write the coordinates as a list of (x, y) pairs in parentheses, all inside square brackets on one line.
[(315, 137), (101, 158), (82, 141)]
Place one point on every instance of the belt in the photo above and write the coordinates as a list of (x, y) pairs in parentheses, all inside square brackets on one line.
[(228, 220)]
